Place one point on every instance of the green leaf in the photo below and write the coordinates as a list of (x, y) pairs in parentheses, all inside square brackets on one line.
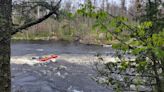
[(112, 23), (147, 24), (81, 11), (117, 30), (137, 51), (116, 46), (70, 15), (103, 28), (141, 33), (159, 53), (135, 43), (124, 47)]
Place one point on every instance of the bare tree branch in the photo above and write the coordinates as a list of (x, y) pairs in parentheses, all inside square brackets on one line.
[(53, 11), (25, 26), (32, 23)]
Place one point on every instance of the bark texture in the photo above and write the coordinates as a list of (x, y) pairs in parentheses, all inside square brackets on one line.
[(5, 28)]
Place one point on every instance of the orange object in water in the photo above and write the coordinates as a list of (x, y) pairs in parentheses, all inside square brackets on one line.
[(54, 56), (46, 59)]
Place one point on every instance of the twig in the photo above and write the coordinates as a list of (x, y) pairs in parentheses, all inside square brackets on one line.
[(25, 26)]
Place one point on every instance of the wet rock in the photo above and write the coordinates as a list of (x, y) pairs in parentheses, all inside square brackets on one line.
[(61, 67), (60, 75)]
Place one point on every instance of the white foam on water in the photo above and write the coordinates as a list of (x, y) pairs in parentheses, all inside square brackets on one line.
[(27, 60), (40, 50)]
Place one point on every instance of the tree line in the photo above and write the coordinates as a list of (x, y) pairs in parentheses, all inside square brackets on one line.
[(67, 27)]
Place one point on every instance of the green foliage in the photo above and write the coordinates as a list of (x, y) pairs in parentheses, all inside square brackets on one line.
[(143, 41), (87, 9)]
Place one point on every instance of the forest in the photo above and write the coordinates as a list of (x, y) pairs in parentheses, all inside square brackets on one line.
[(70, 26), (81, 46)]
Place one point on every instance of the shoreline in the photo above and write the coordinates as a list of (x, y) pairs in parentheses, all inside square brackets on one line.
[(81, 41)]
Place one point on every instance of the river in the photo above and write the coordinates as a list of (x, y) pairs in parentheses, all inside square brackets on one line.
[(20, 48), (71, 73)]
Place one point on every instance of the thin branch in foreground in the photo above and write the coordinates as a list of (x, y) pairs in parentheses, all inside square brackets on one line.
[(54, 11), (25, 26), (33, 23)]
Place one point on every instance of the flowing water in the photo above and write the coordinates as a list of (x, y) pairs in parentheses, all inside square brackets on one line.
[(20, 48), (65, 75)]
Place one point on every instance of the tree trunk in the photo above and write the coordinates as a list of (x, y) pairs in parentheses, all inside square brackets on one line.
[(138, 9), (5, 83), (5, 28), (123, 8)]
